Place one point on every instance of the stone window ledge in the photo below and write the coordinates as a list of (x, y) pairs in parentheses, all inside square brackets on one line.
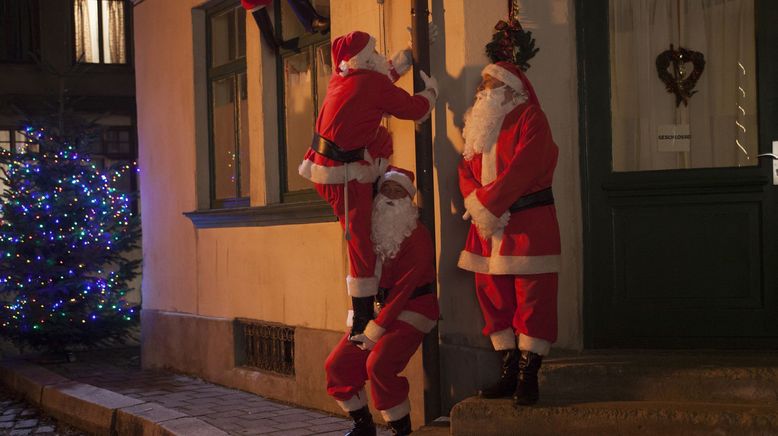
[(272, 215)]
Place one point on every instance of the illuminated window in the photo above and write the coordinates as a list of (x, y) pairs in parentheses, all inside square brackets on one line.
[(99, 31)]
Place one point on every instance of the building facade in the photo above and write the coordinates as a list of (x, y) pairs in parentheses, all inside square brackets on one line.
[(244, 267)]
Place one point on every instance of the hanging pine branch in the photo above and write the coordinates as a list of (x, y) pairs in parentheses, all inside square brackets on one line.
[(511, 43)]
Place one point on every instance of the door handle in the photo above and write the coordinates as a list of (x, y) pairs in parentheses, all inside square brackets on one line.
[(774, 157)]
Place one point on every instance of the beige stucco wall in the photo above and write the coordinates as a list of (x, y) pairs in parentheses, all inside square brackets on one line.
[(294, 274)]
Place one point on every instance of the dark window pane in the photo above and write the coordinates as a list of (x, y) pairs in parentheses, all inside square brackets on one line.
[(19, 32), (323, 72), (223, 122), (241, 43), (114, 51), (299, 111), (243, 149), (223, 38)]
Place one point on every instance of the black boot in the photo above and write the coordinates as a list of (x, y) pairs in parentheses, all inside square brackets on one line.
[(363, 423), (506, 385), (402, 426), (363, 313), (527, 389)]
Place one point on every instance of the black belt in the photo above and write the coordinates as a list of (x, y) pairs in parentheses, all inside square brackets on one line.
[(329, 149), (383, 293), (536, 199)]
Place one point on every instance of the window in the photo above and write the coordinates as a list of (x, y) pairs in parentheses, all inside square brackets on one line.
[(117, 146), (14, 141), (304, 70), (228, 108), (100, 35), (19, 30)]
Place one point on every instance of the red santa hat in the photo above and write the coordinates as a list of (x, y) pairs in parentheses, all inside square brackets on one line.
[(350, 50), (512, 76), (400, 176), (252, 5)]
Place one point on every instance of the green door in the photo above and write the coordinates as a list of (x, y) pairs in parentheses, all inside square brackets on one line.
[(680, 214)]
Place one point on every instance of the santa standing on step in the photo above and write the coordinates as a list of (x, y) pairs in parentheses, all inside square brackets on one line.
[(408, 310), (351, 148), (513, 246)]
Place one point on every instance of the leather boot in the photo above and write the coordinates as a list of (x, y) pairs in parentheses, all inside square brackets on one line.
[(402, 426), (506, 385), (363, 423), (527, 389), (363, 313)]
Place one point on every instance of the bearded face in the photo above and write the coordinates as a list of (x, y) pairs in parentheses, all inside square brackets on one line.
[(483, 120), (378, 63), (393, 221)]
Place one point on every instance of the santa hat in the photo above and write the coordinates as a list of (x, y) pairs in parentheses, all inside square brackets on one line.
[(348, 51), (512, 76), (252, 5), (400, 176)]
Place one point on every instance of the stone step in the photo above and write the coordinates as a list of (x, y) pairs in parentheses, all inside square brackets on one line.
[(705, 376), (480, 417)]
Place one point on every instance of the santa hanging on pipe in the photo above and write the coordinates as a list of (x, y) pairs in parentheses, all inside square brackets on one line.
[(408, 310), (351, 148)]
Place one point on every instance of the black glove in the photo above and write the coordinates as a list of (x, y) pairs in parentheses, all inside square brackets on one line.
[(363, 313)]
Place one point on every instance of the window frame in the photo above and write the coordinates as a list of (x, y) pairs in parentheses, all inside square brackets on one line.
[(232, 69), (306, 42), (128, 39)]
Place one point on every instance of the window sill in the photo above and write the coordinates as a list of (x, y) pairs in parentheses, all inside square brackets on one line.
[(274, 215)]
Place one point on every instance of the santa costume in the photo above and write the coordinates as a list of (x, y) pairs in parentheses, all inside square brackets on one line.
[(350, 149), (513, 246), (408, 310)]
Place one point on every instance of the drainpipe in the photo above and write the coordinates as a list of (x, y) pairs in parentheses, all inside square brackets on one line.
[(426, 197)]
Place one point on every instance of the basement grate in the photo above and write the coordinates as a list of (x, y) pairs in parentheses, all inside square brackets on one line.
[(265, 346)]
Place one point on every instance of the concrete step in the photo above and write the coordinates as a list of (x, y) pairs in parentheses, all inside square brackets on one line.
[(480, 417), (698, 376)]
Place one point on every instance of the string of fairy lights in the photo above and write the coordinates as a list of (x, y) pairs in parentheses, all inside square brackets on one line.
[(64, 231)]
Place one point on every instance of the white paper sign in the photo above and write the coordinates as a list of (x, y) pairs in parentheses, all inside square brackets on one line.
[(673, 138)]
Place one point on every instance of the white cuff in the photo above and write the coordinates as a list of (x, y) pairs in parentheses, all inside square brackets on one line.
[(503, 340), (402, 61), (362, 286), (536, 345), (358, 401), (374, 331), (485, 222), (396, 412)]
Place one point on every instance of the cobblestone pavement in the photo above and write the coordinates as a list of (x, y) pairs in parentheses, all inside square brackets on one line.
[(20, 418), (236, 412)]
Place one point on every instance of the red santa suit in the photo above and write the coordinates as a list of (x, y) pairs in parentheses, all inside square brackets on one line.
[(350, 118), (515, 255), (410, 310)]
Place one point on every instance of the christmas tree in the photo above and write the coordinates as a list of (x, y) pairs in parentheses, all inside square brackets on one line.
[(65, 236)]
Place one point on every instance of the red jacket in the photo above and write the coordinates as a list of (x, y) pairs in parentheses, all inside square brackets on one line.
[(523, 162), (351, 116), (411, 268)]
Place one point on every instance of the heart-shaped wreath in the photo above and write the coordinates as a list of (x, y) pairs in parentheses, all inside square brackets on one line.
[(679, 82)]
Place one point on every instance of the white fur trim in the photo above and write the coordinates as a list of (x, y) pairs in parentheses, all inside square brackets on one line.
[(497, 264), (358, 61), (430, 96), (400, 178), (536, 345), (503, 340), (358, 171), (362, 287), (397, 412), (358, 401), (417, 320), (374, 331), (504, 76), (402, 61), (485, 222)]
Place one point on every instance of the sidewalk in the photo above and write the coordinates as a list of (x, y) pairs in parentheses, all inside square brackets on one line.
[(105, 392)]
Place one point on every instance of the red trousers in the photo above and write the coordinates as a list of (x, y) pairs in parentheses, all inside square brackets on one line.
[(348, 367), (360, 214), (526, 303)]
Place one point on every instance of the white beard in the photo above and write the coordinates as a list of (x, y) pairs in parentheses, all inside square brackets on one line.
[(378, 63), (483, 120), (393, 221)]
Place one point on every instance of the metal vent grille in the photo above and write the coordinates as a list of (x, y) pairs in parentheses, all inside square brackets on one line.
[(266, 346)]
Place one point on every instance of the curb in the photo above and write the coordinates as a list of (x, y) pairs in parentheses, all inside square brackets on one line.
[(96, 410)]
